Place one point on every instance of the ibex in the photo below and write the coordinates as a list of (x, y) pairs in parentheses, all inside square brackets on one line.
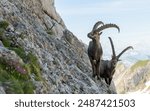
[(108, 66), (95, 50)]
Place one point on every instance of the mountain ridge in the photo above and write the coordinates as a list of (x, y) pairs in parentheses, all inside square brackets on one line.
[(133, 78)]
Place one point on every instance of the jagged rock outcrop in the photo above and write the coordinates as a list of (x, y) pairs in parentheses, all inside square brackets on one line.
[(52, 59), (133, 79)]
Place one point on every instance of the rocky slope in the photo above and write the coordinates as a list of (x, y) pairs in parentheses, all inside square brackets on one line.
[(134, 79), (38, 54)]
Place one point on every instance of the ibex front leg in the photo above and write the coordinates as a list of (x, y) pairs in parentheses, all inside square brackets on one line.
[(98, 70), (93, 66)]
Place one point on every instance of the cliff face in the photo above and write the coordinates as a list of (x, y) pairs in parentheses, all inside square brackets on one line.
[(134, 79), (38, 54), (31, 13)]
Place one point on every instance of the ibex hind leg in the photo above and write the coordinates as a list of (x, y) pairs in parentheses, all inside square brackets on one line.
[(109, 81), (106, 80)]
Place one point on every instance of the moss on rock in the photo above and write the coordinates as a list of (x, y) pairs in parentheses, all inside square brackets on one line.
[(14, 76), (140, 63)]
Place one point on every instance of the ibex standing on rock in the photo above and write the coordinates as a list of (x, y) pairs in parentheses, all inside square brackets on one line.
[(95, 50), (108, 66)]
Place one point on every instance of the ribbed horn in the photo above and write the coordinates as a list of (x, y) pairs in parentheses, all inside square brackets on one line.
[(97, 24), (112, 47), (108, 26), (129, 47)]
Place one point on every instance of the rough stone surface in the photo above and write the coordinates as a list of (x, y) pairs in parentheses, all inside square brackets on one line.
[(134, 78), (2, 91)]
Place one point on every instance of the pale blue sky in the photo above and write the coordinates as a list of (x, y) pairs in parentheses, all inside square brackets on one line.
[(133, 17)]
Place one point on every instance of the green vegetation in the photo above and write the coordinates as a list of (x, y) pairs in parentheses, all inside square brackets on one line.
[(33, 66), (31, 62), (4, 24), (19, 80), (20, 52), (1, 32), (16, 76), (6, 42), (15, 80), (50, 31), (144, 76), (141, 63)]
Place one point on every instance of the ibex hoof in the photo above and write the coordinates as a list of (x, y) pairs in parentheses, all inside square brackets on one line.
[(93, 75), (98, 78)]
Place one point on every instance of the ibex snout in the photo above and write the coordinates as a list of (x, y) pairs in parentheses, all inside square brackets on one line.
[(94, 34)]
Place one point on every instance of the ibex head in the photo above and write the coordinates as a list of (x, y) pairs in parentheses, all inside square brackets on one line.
[(97, 31), (115, 58)]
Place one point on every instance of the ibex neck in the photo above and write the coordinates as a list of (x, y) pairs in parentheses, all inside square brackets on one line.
[(96, 42)]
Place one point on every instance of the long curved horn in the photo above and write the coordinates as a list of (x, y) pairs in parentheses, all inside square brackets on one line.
[(112, 47), (97, 24), (108, 26), (129, 47)]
